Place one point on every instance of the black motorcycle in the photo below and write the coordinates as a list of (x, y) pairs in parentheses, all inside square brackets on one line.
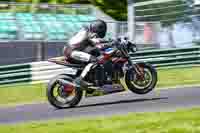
[(114, 72)]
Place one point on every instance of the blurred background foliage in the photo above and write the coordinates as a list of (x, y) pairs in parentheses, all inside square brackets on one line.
[(118, 9)]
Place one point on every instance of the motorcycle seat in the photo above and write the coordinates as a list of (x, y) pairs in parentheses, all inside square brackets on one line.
[(62, 61)]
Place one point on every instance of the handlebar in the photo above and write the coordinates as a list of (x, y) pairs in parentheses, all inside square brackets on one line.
[(131, 47)]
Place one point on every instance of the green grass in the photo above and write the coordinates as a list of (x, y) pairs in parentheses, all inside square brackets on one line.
[(181, 76), (184, 121), (22, 94), (36, 93)]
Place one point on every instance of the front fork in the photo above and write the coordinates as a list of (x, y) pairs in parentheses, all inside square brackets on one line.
[(138, 69)]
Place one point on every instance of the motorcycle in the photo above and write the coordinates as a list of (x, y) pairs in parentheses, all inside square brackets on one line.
[(113, 73)]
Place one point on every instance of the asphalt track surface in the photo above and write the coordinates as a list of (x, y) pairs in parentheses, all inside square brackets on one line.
[(121, 103)]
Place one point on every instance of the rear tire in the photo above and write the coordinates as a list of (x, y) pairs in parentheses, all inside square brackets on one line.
[(142, 89), (54, 101)]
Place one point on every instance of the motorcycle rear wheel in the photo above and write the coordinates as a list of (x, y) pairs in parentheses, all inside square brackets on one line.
[(62, 99)]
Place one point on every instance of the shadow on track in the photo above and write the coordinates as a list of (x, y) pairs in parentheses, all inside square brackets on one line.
[(118, 102)]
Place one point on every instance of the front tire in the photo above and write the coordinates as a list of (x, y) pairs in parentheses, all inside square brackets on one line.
[(142, 86), (60, 101)]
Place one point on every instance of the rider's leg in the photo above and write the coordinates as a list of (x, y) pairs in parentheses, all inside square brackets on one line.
[(87, 58), (67, 52)]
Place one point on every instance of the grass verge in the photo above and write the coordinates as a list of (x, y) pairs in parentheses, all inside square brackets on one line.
[(21, 94), (36, 93), (178, 76), (182, 121)]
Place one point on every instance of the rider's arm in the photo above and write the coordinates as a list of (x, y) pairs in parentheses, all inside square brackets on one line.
[(106, 44), (100, 43), (102, 46)]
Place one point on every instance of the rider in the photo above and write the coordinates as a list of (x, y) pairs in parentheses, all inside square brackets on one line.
[(77, 48)]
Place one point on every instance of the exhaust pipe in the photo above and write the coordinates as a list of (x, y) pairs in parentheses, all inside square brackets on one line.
[(65, 82)]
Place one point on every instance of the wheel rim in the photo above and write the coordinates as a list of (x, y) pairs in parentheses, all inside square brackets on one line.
[(61, 96), (142, 83)]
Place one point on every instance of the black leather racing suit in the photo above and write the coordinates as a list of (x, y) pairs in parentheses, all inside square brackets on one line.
[(78, 45)]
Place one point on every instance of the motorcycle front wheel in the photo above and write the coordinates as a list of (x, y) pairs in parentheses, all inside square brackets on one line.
[(62, 96), (142, 85)]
